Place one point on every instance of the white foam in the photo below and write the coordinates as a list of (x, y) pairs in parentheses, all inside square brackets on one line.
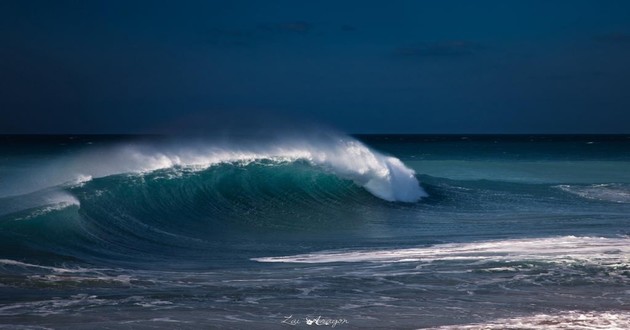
[(80, 180), (565, 249), (610, 320)]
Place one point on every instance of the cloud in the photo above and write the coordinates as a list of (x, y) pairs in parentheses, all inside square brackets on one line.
[(455, 48), (614, 37)]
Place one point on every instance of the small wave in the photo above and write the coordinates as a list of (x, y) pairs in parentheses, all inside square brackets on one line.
[(609, 320), (42, 276), (58, 270), (48, 209), (611, 192), (76, 303), (57, 201), (566, 249)]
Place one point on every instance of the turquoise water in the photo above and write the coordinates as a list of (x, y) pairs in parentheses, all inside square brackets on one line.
[(371, 231)]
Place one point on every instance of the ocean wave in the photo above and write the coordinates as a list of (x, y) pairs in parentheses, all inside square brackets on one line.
[(158, 214), (248, 196), (384, 176), (563, 249), (610, 192), (515, 265)]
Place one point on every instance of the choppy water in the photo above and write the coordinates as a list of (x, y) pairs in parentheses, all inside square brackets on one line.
[(390, 232)]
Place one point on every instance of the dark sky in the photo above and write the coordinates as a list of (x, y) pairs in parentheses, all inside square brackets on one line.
[(360, 66)]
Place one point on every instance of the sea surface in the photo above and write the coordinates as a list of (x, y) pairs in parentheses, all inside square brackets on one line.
[(316, 231)]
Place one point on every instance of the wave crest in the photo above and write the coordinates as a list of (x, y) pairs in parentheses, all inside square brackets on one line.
[(384, 176)]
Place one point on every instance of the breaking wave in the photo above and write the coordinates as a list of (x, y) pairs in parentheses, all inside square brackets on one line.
[(140, 201), (383, 176)]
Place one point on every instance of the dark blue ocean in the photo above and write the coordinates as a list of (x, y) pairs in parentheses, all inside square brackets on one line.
[(315, 231)]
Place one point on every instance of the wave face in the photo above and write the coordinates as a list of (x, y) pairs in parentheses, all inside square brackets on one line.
[(139, 202)]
